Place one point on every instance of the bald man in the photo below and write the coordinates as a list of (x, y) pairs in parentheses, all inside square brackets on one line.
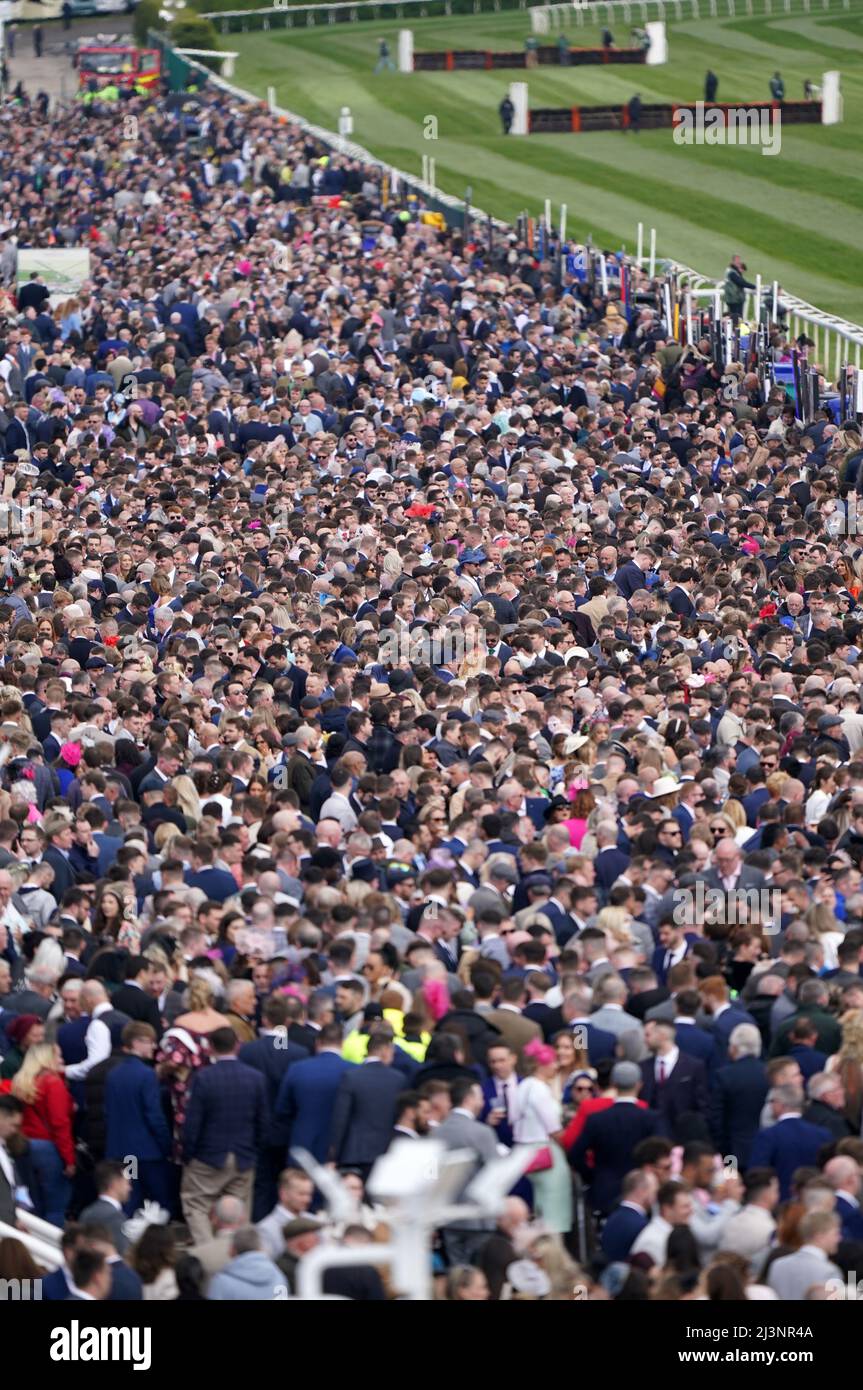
[(843, 1175)]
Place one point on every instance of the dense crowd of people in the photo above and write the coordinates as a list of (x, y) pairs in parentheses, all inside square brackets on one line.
[(430, 709)]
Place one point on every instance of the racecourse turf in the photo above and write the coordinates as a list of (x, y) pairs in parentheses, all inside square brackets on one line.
[(796, 217)]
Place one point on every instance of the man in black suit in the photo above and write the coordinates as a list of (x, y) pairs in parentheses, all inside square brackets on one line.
[(271, 1054), (365, 1108), (674, 1084), (226, 1123), (10, 1123), (603, 1152), (305, 1022), (132, 997), (738, 1095), (411, 1118), (645, 992)]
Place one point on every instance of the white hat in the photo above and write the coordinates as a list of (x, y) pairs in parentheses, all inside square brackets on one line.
[(664, 786), (574, 742)]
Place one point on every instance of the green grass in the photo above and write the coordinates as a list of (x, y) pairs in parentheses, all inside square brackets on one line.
[(795, 217)]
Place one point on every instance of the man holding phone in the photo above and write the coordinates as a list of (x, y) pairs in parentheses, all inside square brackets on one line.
[(499, 1092)]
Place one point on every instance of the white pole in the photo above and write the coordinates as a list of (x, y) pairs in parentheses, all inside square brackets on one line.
[(518, 95), (431, 173), (640, 250), (603, 275), (562, 223), (548, 215), (669, 321), (652, 252), (690, 326), (717, 305), (758, 299), (775, 300), (425, 173)]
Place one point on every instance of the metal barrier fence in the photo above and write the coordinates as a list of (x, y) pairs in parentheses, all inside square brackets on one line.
[(835, 338), (543, 17), (574, 15), (352, 12)]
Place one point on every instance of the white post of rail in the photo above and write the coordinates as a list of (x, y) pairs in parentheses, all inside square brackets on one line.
[(518, 95)]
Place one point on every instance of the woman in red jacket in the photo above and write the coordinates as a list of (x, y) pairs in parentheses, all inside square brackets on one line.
[(47, 1123)]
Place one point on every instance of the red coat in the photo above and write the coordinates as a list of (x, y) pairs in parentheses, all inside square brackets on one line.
[(50, 1116), (583, 1114)]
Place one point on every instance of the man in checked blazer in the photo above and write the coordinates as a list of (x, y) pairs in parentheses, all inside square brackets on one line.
[(226, 1123)]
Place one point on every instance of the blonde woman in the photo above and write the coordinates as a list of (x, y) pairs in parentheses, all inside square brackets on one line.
[(47, 1123), (564, 1274), (848, 1062), (616, 923), (734, 812), (390, 569), (824, 928), (188, 799), (164, 834)]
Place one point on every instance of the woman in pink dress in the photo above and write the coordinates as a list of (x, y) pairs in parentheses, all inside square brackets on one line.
[(583, 802)]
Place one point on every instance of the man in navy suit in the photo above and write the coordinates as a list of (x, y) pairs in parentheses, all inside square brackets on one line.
[(675, 944), (226, 1122), (215, 884), (843, 1174), (629, 1219), (499, 1091), (126, 1285), (738, 1094), (365, 1108), (608, 865), (271, 1054), (135, 1122), (694, 1041), (725, 1017), (610, 1136), (790, 1143), (598, 1041), (673, 1083), (679, 598), (308, 1092), (61, 837)]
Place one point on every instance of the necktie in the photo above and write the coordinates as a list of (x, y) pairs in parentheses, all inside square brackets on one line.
[(661, 1077)]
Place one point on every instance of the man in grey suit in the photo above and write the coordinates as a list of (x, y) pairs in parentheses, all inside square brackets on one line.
[(811, 1266), (39, 995), (610, 1015), (730, 874), (462, 1129), (114, 1190)]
